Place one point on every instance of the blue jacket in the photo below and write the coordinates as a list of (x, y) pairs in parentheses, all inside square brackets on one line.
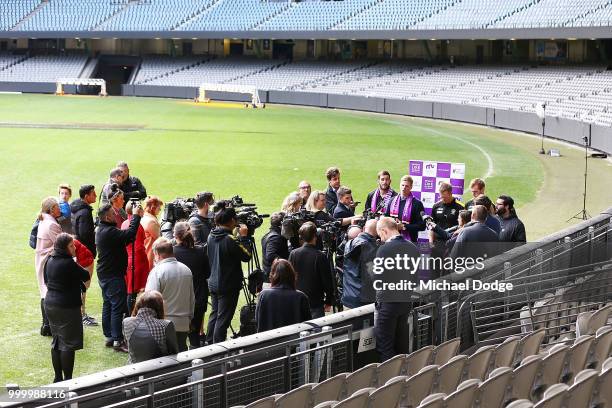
[(358, 253)]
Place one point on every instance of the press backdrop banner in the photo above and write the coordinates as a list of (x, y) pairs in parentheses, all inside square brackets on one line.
[(428, 175)]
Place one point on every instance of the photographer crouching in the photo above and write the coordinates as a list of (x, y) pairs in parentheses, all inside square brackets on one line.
[(225, 252)]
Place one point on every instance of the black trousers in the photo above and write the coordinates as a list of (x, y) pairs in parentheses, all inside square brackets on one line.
[(221, 314), (391, 329), (196, 322)]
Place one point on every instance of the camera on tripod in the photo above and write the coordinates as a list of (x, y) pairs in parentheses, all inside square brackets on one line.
[(178, 210), (292, 222), (246, 213)]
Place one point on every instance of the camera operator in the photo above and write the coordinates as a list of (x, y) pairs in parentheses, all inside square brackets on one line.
[(378, 199), (313, 271), (273, 245), (331, 197), (512, 229), (201, 222), (407, 209), (225, 254), (358, 253)]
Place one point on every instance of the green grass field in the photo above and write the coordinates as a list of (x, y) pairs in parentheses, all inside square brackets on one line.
[(178, 148)]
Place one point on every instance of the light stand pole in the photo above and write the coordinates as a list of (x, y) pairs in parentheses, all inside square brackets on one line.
[(542, 115), (583, 214)]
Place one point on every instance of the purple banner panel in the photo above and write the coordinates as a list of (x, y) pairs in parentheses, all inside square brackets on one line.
[(443, 170), (416, 168)]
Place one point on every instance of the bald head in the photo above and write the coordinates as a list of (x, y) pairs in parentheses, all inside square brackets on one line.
[(370, 227), (353, 231), (479, 213), (386, 228)]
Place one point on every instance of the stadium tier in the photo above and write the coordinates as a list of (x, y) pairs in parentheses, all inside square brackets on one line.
[(569, 92), (312, 15), (41, 68)]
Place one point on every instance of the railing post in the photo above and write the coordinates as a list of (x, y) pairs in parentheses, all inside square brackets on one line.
[(609, 240), (507, 276), (198, 391), (151, 395), (70, 395), (591, 243), (304, 377), (329, 354), (287, 368)]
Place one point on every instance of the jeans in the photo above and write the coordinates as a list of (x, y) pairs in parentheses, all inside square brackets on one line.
[(221, 314), (391, 329), (114, 298)]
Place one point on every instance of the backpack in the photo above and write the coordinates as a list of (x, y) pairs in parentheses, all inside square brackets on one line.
[(34, 234), (248, 324)]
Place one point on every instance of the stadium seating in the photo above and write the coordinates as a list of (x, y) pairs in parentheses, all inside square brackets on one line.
[(222, 15), (83, 15), (310, 15), (148, 15), (44, 68), (521, 372), (15, 11)]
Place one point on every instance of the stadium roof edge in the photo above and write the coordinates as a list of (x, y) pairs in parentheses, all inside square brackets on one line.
[(463, 34)]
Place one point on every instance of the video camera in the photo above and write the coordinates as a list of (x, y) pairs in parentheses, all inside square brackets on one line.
[(292, 223), (246, 213), (178, 210)]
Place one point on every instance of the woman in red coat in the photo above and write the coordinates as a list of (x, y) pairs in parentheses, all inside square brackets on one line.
[(141, 263)]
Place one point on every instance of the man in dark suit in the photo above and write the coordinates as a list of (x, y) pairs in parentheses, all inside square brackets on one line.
[(331, 196), (476, 240), (314, 274), (345, 207), (273, 245), (378, 199), (393, 307), (407, 209)]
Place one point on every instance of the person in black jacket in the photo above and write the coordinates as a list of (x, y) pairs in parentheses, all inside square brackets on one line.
[(201, 222), (131, 186), (196, 259), (281, 305), (65, 280), (512, 229), (345, 207), (112, 265), (406, 208), (393, 307), (225, 253), (333, 181), (85, 231), (273, 245), (82, 218), (313, 271), (477, 240)]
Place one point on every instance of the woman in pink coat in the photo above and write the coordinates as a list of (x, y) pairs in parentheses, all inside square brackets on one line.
[(48, 230)]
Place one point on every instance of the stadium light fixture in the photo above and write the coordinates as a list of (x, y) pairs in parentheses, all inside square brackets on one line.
[(541, 112)]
